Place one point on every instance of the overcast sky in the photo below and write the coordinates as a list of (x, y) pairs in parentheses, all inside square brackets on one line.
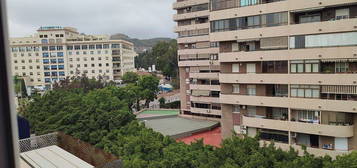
[(136, 18)]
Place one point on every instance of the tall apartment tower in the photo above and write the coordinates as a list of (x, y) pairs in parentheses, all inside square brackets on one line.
[(198, 60), (287, 69), (54, 53)]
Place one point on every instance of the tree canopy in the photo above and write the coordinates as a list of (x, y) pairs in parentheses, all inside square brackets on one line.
[(163, 55), (101, 116), (130, 77)]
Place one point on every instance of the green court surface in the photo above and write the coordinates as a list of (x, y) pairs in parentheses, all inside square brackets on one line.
[(160, 112)]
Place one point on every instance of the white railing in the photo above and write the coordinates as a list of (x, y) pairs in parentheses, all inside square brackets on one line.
[(37, 142)]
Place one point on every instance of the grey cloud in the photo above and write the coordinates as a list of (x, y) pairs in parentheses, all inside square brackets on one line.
[(136, 18)]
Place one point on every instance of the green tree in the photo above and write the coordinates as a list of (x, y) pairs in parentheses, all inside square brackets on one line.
[(130, 77), (162, 101), (20, 87), (149, 88)]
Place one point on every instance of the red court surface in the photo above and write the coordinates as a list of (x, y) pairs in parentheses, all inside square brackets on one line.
[(212, 137)]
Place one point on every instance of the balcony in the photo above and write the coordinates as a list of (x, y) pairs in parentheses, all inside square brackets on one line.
[(197, 63), (206, 111), (190, 15), (198, 51), (185, 3), (193, 39), (314, 151), (296, 103), (204, 75), (192, 27), (205, 99), (287, 30), (298, 54), (288, 5), (307, 128), (205, 87), (307, 79)]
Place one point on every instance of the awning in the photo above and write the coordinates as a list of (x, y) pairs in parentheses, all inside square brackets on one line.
[(339, 89), (339, 60), (307, 9), (247, 40), (200, 92)]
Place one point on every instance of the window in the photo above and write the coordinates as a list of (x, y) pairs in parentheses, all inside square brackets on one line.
[(324, 40), (59, 48), (84, 52), (52, 48), (251, 90), (84, 47), (99, 46), (77, 53), (69, 47), (99, 52), (106, 46), (235, 67), (45, 48), (341, 67), (53, 67), (61, 60), (275, 19), (60, 54), (342, 13), (236, 109), (297, 66), (70, 53), (115, 45), (77, 47), (305, 91), (91, 47), (248, 2), (45, 54), (107, 64), (93, 65), (236, 89), (307, 66), (91, 52), (310, 18), (253, 21), (100, 65), (311, 66), (44, 41), (308, 115)]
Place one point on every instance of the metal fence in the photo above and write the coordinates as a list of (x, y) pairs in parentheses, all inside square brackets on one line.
[(37, 142)]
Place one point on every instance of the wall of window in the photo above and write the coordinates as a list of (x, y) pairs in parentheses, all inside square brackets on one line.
[(266, 20), (305, 66), (190, 33), (194, 8), (226, 4), (305, 91), (324, 40)]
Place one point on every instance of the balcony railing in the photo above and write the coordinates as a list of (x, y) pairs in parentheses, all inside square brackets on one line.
[(38, 142)]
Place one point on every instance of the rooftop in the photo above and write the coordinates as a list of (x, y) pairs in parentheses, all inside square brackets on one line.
[(178, 127), (51, 157)]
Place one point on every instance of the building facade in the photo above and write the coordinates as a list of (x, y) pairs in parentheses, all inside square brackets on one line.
[(54, 53), (287, 69)]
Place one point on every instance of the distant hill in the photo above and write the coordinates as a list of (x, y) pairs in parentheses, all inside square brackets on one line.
[(140, 45)]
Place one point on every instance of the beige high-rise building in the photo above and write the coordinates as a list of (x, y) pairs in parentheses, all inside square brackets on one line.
[(54, 53), (287, 69)]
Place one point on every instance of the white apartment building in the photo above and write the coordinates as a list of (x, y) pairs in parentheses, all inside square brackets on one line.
[(54, 53)]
